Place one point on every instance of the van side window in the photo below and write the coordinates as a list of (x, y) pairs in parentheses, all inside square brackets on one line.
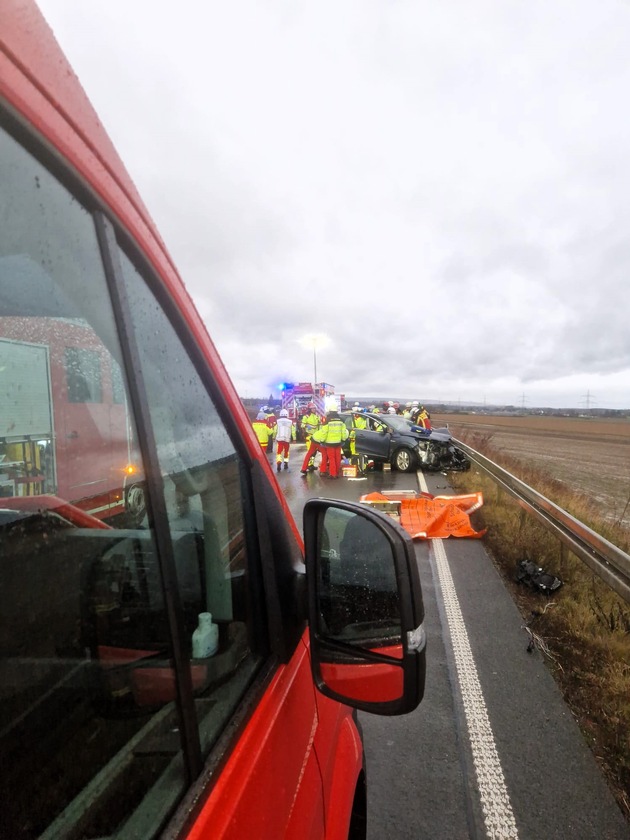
[(90, 705), (118, 387), (201, 477)]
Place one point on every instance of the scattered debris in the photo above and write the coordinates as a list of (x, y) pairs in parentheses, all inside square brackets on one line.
[(536, 642), (536, 578)]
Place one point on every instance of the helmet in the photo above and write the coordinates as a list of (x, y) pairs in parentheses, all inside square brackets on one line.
[(407, 405), (311, 405), (260, 415), (284, 413), (415, 402), (391, 410), (396, 405)]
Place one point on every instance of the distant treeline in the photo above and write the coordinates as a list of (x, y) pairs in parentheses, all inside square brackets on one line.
[(461, 408)]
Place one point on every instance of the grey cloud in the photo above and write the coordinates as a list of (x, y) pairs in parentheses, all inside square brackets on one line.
[(441, 188)]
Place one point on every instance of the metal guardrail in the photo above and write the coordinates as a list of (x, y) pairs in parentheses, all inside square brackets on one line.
[(605, 559)]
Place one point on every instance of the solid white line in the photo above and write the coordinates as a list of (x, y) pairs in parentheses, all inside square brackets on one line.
[(495, 801)]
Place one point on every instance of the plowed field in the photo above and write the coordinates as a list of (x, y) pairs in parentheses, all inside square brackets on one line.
[(587, 454)]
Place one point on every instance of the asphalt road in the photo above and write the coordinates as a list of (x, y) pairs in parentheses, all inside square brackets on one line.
[(492, 751)]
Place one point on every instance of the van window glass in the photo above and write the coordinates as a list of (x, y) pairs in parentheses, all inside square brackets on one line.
[(83, 375), (90, 746), (118, 387), (202, 485)]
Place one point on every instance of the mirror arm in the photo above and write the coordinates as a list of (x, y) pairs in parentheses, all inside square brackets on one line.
[(417, 639)]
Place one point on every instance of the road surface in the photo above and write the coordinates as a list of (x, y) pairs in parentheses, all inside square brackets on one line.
[(492, 751)]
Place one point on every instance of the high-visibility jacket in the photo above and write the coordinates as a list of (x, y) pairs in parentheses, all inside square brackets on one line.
[(263, 432), (311, 423), (358, 422), (332, 434), (284, 429), (421, 418)]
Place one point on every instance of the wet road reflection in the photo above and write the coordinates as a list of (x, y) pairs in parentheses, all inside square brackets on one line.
[(298, 489)]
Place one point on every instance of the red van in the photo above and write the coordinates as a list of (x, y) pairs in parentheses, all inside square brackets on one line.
[(191, 672)]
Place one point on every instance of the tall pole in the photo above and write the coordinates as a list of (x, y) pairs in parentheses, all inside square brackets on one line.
[(315, 361)]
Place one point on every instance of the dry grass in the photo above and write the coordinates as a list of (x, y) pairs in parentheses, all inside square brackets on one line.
[(584, 631)]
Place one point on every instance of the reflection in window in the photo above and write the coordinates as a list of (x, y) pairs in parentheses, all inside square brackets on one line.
[(118, 388), (83, 374), (202, 484), (80, 587), (357, 579)]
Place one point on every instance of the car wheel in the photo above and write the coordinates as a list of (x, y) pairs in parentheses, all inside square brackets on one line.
[(404, 460)]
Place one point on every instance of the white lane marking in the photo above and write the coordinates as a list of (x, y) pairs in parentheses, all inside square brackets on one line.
[(495, 801)]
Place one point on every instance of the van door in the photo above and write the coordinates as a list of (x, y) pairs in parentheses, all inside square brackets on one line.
[(108, 719)]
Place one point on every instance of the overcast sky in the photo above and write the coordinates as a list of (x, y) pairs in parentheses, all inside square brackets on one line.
[(439, 190)]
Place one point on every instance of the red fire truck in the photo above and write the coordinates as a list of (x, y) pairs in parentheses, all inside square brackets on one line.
[(64, 423), (297, 396), (192, 675)]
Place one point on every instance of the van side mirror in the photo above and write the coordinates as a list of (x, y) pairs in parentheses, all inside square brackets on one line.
[(365, 608)]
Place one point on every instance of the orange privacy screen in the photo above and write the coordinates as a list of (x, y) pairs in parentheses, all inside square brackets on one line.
[(428, 517)]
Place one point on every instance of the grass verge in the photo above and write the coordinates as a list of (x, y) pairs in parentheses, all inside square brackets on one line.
[(583, 630)]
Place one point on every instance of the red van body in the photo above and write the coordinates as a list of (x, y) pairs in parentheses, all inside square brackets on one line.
[(288, 760)]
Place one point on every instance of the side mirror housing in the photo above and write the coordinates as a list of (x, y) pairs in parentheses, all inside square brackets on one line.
[(365, 608)]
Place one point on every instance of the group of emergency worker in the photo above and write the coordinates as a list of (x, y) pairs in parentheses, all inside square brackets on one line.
[(267, 429), (413, 410), (325, 434)]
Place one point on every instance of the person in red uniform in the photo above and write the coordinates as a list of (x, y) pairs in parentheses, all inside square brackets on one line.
[(310, 424), (330, 438), (284, 433)]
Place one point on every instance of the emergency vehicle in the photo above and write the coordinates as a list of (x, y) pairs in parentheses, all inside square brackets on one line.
[(296, 397), (51, 386), (193, 675)]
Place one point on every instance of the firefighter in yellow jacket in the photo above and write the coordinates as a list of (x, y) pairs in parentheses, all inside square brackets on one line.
[(262, 430), (330, 439), (359, 421)]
